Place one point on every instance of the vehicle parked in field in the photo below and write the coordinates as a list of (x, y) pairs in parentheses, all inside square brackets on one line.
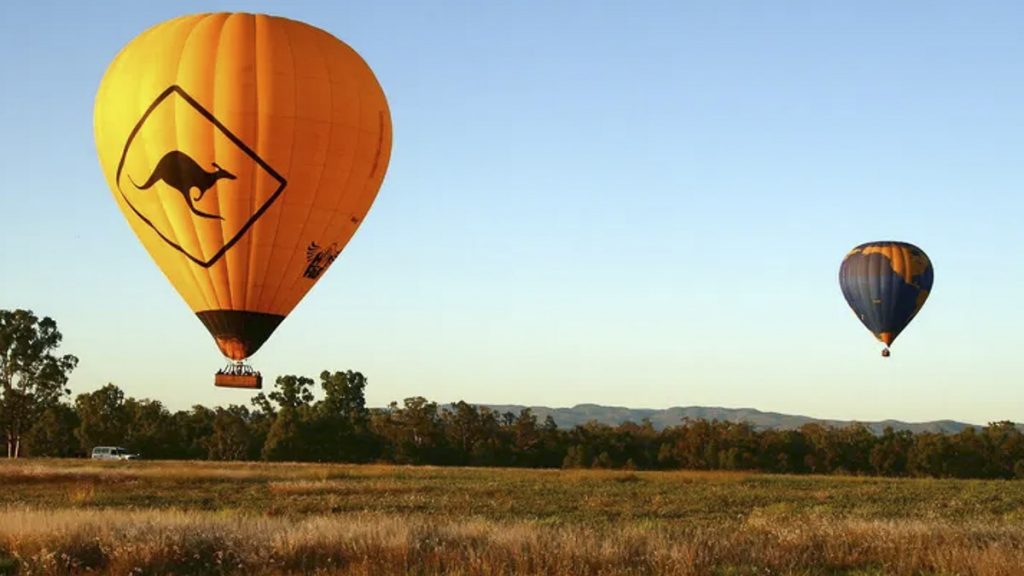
[(112, 453)]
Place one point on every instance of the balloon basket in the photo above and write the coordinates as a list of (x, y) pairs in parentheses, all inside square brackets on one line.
[(885, 353), (238, 375)]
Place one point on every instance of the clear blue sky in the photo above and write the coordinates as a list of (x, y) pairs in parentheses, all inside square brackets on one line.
[(630, 203)]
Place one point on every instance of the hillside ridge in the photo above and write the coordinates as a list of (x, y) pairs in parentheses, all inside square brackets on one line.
[(664, 417)]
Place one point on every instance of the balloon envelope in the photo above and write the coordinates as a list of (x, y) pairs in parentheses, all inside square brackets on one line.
[(244, 151), (886, 284)]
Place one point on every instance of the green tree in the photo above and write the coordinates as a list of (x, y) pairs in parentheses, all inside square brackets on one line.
[(32, 378), (784, 451), (150, 430), (261, 418), (103, 418), (287, 438), (463, 428), (192, 429), (891, 452), (855, 443), (823, 450), (345, 397), (284, 441), (553, 444), (526, 439), (340, 422), (53, 434), (292, 392), (968, 455), (577, 457), (232, 438), (412, 433), (1004, 445), (930, 455)]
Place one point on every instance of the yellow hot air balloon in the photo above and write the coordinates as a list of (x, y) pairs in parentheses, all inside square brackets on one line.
[(244, 150)]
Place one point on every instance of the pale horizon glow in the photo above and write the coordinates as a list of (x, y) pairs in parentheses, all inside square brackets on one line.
[(642, 204)]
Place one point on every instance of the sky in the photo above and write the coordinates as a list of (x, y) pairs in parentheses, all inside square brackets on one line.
[(640, 204)]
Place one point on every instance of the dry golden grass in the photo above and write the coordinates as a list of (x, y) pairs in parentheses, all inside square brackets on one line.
[(169, 541), (75, 517)]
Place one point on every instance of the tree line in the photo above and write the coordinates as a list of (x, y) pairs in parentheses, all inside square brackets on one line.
[(327, 420), (288, 424)]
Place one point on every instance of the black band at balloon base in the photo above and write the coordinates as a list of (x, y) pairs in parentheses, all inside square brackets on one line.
[(239, 333)]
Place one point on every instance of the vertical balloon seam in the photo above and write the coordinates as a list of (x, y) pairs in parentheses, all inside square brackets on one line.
[(883, 284), (356, 196), (284, 289), (254, 301), (908, 262), (317, 46), (253, 248), (198, 42), (924, 287), (931, 282), (252, 102), (905, 301), (222, 268), (268, 303), (236, 34), (862, 279), (179, 264), (929, 273), (842, 284), (208, 271), (876, 296), (369, 190), (370, 187), (134, 106), (880, 280), (347, 197), (344, 194), (223, 37), (312, 48), (893, 281), (915, 280), (260, 302), (918, 279), (897, 290), (99, 124), (857, 283), (219, 273), (197, 282), (219, 269), (893, 290)]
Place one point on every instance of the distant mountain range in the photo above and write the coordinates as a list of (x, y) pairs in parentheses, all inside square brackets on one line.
[(662, 418)]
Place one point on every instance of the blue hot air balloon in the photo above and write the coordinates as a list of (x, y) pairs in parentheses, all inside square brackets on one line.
[(886, 284)]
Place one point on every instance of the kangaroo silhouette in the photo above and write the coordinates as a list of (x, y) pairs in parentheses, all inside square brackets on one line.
[(179, 171)]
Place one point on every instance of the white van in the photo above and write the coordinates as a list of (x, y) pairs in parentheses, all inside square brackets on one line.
[(112, 453)]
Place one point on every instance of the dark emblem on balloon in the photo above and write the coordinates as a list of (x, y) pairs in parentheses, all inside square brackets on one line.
[(319, 258), (179, 171), (203, 164)]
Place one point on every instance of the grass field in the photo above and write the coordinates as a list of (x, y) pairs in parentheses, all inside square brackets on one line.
[(67, 516)]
